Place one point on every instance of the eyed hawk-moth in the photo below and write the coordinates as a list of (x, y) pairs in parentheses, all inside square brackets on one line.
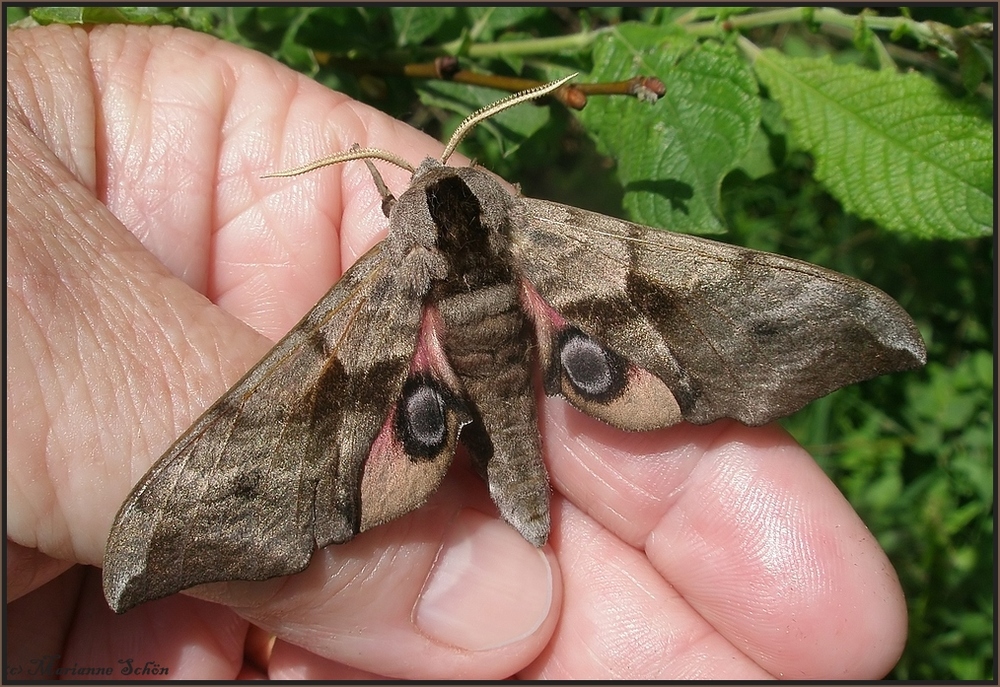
[(432, 338)]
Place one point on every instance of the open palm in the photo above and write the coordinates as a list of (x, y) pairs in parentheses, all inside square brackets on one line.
[(149, 266)]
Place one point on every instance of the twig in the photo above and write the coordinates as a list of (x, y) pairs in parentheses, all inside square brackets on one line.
[(647, 88)]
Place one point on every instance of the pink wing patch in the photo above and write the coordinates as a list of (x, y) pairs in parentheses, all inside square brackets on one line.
[(592, 376), (416, 444)]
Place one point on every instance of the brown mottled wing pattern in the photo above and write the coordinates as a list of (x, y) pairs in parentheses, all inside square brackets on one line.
[(732, 332), (273, 469)]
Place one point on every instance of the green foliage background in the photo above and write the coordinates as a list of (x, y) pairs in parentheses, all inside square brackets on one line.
[(863, 143)]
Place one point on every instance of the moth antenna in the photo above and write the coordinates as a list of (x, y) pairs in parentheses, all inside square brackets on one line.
[(354, 153), (497, 107)]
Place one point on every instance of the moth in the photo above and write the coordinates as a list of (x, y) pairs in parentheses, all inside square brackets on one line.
[(432, 339)]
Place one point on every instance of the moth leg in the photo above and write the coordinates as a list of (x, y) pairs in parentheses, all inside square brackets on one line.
[(388, 200)]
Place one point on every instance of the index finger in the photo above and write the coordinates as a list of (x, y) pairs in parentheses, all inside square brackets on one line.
[(743, 524)]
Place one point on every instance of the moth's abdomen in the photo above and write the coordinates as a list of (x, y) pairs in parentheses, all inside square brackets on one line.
[(487, 339), (484, 330)]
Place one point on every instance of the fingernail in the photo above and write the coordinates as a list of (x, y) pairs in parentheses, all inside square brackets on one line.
[(488, 587)]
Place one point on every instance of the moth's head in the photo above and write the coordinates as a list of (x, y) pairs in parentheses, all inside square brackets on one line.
[(440, 198), (427, 167)]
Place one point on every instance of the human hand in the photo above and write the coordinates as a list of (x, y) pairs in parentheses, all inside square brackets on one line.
[(134, 187)]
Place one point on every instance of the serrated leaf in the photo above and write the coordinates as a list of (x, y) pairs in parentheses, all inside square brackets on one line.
[(672, 155), (891, 147)]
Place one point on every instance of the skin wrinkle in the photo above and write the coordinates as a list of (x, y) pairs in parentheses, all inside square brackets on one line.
[(776, 544), (164, 122), (631, 631), (280, 252), (171, 365), (744, 496), (634, 632), (640, 489), (44, 431), (279, 123), (169, 321), (286, 195), (764, 607), (657, 648), (320, 138), (75, 390), (131, 351), (662, 504), (128, 149), (669, 501), (44, 97), (616, 486), (353, 572)]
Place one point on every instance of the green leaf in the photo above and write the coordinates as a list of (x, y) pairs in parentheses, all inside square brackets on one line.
[(491, 21), (757, 162), (102, 15), (414, 25), (974, 62), (343, 31), (891, 147), (18, 17), (292, 52), (672, 155)]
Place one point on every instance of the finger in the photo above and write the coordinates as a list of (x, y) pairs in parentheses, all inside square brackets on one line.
[(28, 569), (263, 249), (744, 525), (36, 627), (95, 351), (760, 515), (622, 620), (445, 591), (290, 662)]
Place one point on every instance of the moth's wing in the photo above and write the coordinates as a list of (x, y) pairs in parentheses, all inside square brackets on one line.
[(697, 329), (418, 438), (273, 469)]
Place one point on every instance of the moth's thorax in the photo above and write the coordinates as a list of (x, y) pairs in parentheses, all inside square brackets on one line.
[(450, 230)]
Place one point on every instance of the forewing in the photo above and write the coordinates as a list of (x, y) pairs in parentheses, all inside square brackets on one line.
[(273, 469), (729, 331)]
